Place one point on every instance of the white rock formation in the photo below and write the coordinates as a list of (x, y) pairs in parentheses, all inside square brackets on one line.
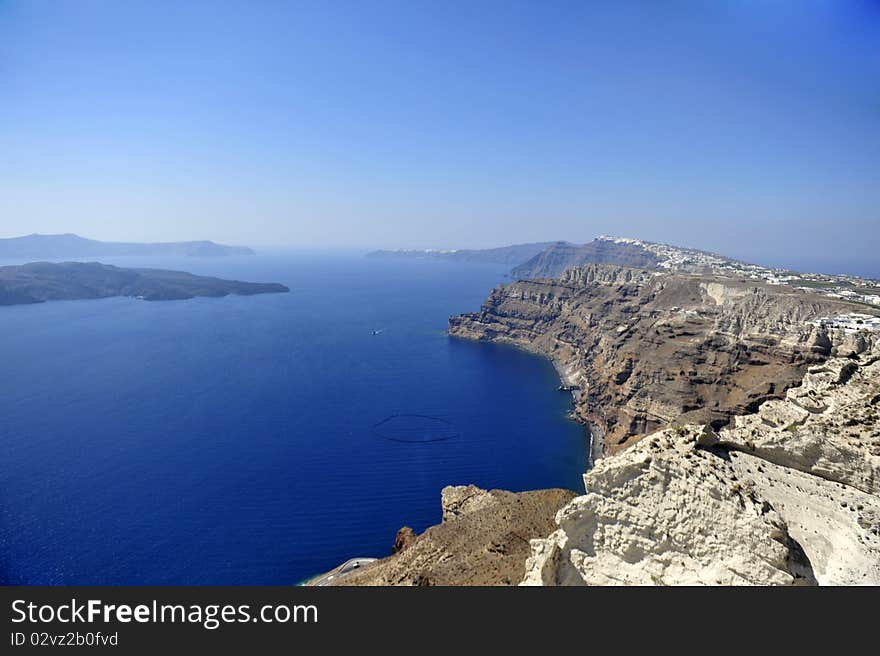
[(789, 495)]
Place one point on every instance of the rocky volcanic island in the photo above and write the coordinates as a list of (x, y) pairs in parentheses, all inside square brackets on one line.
[(734, 414), (38, 282)]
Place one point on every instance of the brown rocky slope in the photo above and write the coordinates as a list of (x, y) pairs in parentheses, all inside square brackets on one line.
[(483, 540)]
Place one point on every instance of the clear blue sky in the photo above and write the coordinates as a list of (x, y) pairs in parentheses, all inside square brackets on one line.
[(730, 126)]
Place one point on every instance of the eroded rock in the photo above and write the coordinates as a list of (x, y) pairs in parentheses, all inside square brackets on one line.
[(785, 496)]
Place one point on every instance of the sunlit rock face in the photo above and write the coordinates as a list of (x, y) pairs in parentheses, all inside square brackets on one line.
[(785, 496)]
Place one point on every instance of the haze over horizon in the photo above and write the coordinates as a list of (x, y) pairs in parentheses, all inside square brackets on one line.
[(751, 129)]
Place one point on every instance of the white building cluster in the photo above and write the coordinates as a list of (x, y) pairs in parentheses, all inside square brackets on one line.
[(672, 258), (850, 323)]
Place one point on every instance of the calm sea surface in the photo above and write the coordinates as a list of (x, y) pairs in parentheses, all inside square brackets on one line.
[(234, 440)]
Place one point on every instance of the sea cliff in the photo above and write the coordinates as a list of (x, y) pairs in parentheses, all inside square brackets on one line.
[(647, 349)]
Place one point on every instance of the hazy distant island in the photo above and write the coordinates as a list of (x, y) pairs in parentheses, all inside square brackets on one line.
[(510, 255), (71, 246), (549, 259), (542, 260), (45, 281)]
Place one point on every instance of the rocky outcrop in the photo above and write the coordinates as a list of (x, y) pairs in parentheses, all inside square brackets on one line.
[(482, 540), (828, 427), (648, 349), (403, 540), (788, 495)]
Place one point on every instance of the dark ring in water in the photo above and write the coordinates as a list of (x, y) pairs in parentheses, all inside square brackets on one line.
[(377, 429)]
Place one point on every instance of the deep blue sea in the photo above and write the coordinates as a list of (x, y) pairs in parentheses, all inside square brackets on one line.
[(234, 440)]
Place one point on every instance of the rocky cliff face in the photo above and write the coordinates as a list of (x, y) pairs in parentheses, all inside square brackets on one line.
[(788, 495), (648, 349)]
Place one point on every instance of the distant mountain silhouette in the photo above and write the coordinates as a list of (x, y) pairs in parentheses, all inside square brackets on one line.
[(70, 245), (511, 255)]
